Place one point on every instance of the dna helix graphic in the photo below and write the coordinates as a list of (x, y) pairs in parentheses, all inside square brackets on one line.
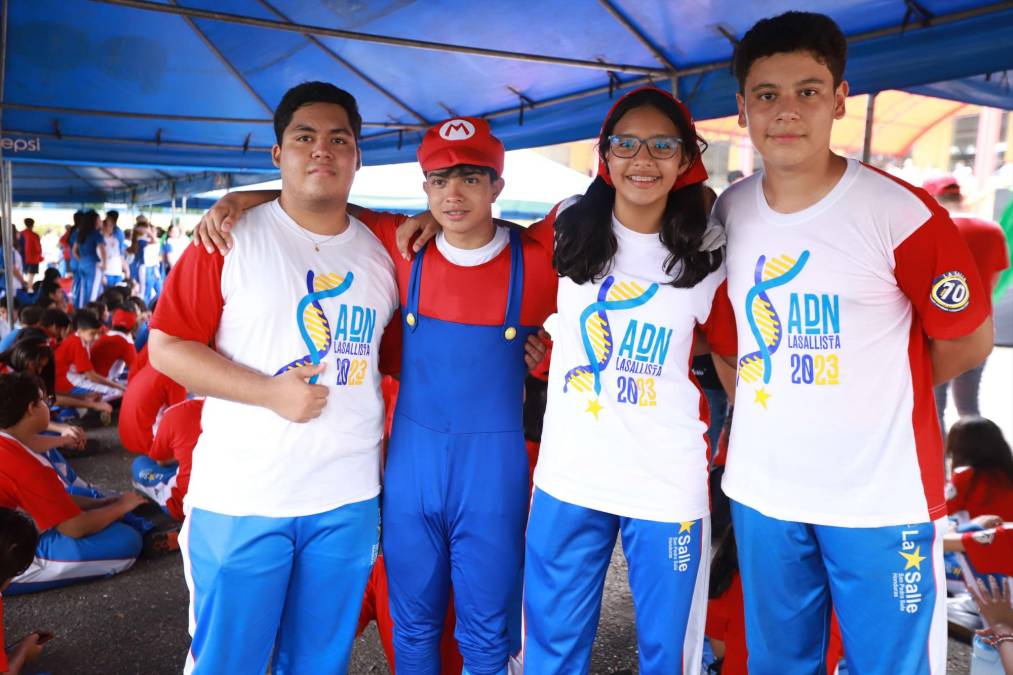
[(596, 332), (313, 325), (764, 321)]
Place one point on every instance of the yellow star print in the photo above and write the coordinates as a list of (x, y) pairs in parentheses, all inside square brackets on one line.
[(686, 527), (761, 397), (594, 408), (913, 559)]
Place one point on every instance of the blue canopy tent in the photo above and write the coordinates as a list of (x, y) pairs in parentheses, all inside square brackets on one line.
[(187, 86)]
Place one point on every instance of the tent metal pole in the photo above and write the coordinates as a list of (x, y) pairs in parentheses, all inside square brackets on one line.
[(870, 109), (363, 76), (225, 62), (657, 73), (177, 118), (8, 236), (138, 141), (384, 39), (640, 35)]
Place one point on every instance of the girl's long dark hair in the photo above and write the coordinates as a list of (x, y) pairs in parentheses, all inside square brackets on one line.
[(584, 241), (978, 442), (31, 347), (88, 224)]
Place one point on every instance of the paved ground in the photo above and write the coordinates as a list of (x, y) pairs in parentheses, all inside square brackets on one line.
[(136, 622)]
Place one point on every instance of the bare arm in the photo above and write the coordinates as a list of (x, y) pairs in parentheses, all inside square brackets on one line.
[(203, 370), (96, 520), (953, 357)]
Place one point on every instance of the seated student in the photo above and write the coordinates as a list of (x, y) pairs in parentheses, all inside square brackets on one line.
[(113, 354), (28, 317), (75, 372), (726, 614), (148, 394), (100, 310), (51, 296), (81, 537), (164, 474), (982, 481), (18, 539), (139, 363), (57, 325), (32, 354)]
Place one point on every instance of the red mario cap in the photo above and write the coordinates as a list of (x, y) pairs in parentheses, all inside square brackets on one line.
[(694, 173), (124, 319), (942, 185), (461, 140)]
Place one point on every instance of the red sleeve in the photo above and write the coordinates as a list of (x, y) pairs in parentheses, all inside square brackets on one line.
[(191, 303), (544, 231), (936, 271), (384, 226), (717, 617), (958, 502), (42, 496), (80, 358), (128, 353), (720, 325), (990, 551), (390, 345), (161, 445)]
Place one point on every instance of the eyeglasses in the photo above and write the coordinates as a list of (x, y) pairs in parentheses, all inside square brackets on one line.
[(659, 147)]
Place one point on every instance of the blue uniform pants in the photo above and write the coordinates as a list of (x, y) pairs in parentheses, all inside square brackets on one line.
[(568, 552), (61, 560), (281, 590), (454, 507), (885, 583)]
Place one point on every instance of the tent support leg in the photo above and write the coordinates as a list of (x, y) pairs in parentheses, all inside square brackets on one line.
[(870, 109)]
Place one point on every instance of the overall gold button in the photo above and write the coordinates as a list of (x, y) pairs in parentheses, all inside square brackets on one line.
[(510, 333), (410, 319)]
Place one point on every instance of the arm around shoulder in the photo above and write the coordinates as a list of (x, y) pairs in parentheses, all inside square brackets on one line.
[(958, 355)]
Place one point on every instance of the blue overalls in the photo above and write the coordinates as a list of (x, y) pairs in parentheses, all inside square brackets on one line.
[(456, 483)]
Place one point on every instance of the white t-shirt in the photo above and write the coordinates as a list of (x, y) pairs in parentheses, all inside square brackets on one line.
[(470, 257), (838, 425), (249, 460), (635, 446), (114, 256)]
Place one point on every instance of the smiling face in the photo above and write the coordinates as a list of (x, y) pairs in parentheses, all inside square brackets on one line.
[(318, 155), (642, 181), (461, 199), (789, 104)]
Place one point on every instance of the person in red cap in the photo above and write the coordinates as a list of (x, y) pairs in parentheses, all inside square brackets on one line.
[(113, 354), (456, 478), (989, 248)]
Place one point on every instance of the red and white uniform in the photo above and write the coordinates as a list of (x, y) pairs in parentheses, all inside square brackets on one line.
[(990, 551), (147, 396), (112, 353), (72, 358), (976, 493), (987, 243), (175, 440), (251, 461), (835, 305), (30, 484)]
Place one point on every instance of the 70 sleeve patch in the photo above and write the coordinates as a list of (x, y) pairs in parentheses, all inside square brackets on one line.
[(950, 292)]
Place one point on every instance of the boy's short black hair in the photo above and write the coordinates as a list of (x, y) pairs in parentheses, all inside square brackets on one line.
[(29, 223), (817, 34), (465, 170), (315, 92), (18, 539), (113, 216), (30, 315), (18, 391), (85, 320), (55, 317)]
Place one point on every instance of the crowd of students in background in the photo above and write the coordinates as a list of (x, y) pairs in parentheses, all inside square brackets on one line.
[(74, 359)]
